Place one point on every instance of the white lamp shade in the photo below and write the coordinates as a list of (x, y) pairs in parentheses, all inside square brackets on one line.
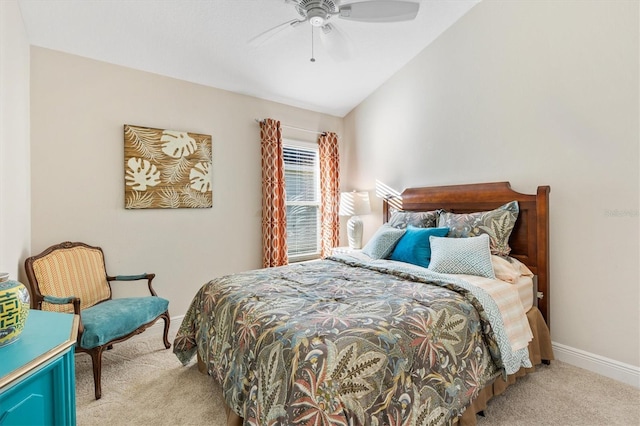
[(354, 203)]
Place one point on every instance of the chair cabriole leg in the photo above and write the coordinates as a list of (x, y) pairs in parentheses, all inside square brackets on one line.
[(167, 322), (96, 358)]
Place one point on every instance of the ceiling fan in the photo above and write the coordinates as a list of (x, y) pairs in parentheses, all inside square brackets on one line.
[(319, 12)]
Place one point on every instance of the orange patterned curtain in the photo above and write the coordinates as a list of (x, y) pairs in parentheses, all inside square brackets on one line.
[(329, 192), (274, 219)]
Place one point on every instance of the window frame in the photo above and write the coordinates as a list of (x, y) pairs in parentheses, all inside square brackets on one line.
[(309, 146)]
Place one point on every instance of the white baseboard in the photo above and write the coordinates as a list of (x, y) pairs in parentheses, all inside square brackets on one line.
[(158, 328), (608, 367)]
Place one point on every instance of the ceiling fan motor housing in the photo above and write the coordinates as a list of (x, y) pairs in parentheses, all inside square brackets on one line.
[(317, 12)]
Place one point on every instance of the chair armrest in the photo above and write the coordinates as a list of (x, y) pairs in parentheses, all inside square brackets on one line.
[(131, 277), (63, 301), (145, 276)]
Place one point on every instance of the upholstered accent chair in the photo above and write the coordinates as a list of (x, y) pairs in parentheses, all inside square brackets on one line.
[(71, 277)]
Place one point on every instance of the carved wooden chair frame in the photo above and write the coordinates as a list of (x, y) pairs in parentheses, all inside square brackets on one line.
[(37, 298)]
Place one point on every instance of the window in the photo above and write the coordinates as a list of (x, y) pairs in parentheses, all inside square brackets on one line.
[(302, 183)]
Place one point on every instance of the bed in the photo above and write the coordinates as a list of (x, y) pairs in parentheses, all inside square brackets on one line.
[(359, 339)]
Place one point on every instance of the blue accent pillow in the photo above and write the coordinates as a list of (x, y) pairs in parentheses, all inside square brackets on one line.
[(414, 245), (470, 256), (383, 241)]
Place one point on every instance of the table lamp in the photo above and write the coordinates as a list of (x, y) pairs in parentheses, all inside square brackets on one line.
[(354, 204)]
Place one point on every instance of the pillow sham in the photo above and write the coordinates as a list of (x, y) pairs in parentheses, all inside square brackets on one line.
[(505, 270), (383, 242), (469, 256), (497, 223), (524, 269), (414, 245), (402, 219)]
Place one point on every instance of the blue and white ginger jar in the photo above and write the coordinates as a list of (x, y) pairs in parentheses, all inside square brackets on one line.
[(14, 309)]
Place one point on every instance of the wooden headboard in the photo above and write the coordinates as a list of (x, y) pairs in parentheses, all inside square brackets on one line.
[(529, 239)]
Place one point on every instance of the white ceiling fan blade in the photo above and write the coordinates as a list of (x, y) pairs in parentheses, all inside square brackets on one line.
[(380, 11), (336, 43), (274, 33)]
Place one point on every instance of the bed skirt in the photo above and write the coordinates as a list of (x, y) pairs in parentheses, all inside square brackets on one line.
[(539, 350)]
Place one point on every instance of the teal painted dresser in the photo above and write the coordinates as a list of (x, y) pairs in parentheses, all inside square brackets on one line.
[(37, 372)]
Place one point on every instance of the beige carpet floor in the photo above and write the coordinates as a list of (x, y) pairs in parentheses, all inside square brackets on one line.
[(144, 384)]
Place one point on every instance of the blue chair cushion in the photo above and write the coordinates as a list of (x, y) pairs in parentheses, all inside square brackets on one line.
[(118, 317)]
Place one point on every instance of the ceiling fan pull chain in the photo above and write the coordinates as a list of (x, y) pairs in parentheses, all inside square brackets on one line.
[(313, 59)]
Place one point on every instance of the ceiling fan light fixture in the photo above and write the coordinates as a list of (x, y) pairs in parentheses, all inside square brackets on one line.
[(317, 17), (318, 13)]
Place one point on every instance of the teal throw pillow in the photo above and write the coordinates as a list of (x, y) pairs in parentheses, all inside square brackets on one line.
[(414, 245), (383, 241)]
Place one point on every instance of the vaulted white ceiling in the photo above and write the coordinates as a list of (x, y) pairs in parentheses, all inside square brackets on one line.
[(205, 42)]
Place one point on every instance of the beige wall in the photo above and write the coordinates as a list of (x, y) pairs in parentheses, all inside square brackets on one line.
[(78, 109), (536, 93), (530, 92), (14, 141)]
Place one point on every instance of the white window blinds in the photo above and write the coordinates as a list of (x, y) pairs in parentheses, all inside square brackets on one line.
[(302, 183)]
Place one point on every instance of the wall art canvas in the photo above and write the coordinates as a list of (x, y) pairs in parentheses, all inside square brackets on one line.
[(166, 169)]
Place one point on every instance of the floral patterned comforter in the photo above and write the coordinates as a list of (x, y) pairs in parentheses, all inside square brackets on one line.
[(336, 343)]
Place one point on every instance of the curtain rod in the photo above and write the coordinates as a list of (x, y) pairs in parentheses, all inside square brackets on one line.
[(296, 128)]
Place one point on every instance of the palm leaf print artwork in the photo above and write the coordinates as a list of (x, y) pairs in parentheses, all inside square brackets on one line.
[(166, 169)]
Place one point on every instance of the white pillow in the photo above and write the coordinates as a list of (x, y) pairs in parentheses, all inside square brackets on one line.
[(470, 256), (383, 242)]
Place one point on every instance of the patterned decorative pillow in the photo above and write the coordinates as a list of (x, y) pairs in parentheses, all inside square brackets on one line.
[(414, 245), (497, 223), (470, 256), (383, 242), (401, 219)]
